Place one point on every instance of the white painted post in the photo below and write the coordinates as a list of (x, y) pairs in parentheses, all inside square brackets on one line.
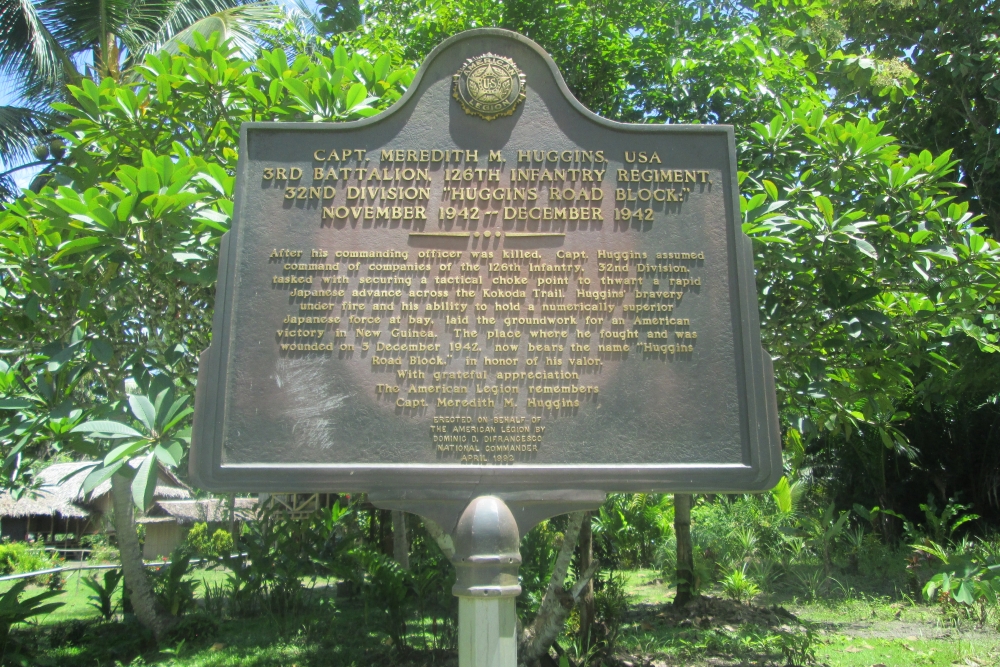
[(486, 561), (487, 630)]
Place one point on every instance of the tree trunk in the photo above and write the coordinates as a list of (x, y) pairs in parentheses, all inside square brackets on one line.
[(147, 608), (400, 545), (385, 544), (587, 611), (373, 528), (685, 551), (536, 639)]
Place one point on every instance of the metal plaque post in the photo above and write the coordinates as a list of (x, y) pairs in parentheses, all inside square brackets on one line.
[(485, 534), (486, 560)]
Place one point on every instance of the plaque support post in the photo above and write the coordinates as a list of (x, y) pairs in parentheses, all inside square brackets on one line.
[(486, 560), (484, 536)]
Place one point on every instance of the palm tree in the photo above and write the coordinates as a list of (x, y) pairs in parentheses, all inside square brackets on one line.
[(20, 126), (46, 45)]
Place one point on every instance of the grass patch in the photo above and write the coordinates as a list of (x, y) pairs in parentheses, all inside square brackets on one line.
[(853, 632)]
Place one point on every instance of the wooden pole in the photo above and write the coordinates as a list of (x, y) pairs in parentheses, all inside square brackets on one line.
[(685, 551)]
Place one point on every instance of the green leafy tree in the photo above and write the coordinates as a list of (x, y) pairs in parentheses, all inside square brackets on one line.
[(108, 282), (950, 50), (157, 439), (48, 45)]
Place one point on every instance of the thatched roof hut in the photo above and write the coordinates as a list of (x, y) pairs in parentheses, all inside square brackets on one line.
[(168, 521), (60, 506)]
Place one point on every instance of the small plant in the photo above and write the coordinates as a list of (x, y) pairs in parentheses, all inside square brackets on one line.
[(738, 586), (388, 595), (744, 543), (216, 597), (823, 530), (101, 600), (765, 570), (176, 593), (610, 605), (15, 610), (941, 525), (964, 579), (811, 581), (798, 648)]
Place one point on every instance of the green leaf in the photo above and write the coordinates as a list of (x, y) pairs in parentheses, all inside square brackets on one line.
[(143, 410), (382, 66), (107, 429), (123, 452), (148, 180), (170, 455), (355, 96), (866, 247), (15, 404), (144, 483), (340, 57), (964, 593), (99, 475), (825, 207), (771, 189), (75, 246), (102, 351)]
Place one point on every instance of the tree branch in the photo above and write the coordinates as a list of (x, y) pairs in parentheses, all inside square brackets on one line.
[(442, 538), (536, 639)]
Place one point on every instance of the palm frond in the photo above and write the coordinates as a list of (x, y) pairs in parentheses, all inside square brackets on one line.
[(305, 18), (28, 48), (20, 129), (85, 26), (238, 23)]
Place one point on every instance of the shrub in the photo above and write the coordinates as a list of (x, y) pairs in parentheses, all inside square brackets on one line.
[(18, 557), (738, 586), (171, 585), (101, 549), (218, 544)]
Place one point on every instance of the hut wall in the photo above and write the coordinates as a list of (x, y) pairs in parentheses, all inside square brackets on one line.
[(162, 538), (14, 528)]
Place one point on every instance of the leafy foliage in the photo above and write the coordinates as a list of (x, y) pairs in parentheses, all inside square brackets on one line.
[(102, 599), (160, 441), (43, 46), (110, 270), (951, 53), (217, 545), (172, 586), (14, 609)]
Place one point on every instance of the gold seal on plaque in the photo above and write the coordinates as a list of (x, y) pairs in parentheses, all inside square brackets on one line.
[(489, 86)]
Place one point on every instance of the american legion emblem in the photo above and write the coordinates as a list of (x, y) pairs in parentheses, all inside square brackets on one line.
[(489, 86)]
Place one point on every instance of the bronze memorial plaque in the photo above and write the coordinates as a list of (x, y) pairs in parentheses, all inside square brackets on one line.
[(489, 288)]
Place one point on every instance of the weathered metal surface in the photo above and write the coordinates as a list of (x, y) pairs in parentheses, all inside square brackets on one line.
[(688, 407), (487, 553)]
